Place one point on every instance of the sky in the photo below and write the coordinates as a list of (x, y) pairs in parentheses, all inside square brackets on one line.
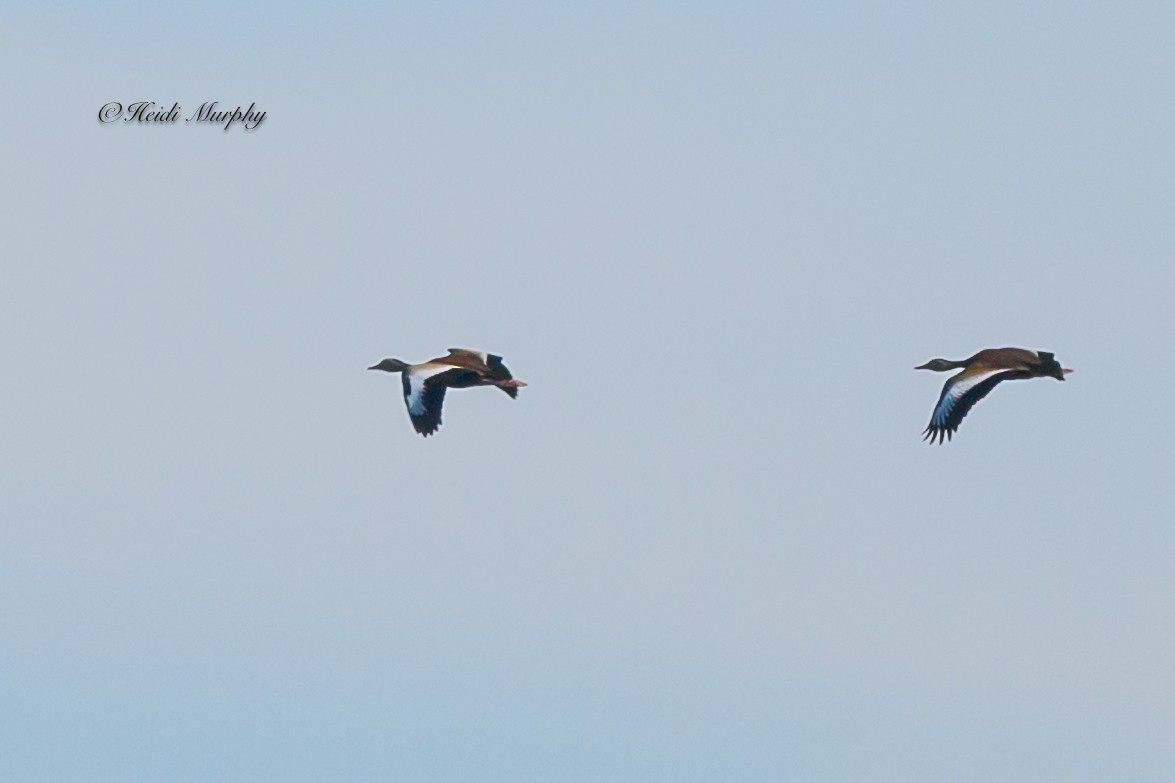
[(706, 542)]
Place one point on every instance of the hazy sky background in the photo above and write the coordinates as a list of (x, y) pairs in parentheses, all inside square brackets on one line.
[(706, 543)]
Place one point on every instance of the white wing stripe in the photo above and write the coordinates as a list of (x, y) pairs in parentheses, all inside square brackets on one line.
[(956, 392), (416, 379)]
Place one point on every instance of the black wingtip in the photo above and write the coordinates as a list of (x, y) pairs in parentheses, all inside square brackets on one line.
[(937, 435)]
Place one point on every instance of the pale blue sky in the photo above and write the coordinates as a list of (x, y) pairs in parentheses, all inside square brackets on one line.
[(706, 543)]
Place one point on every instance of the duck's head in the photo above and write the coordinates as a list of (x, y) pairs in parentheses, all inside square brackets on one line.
[(390, 365), (938, 365)]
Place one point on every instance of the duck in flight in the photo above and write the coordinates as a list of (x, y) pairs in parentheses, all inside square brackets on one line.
[(981, 373), (425, 384)]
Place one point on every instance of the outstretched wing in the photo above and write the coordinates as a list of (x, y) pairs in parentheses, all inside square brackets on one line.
[(424, 394), (959, 395)]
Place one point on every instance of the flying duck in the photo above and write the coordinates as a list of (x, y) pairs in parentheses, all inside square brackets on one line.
[(425, 384), (980, 375)]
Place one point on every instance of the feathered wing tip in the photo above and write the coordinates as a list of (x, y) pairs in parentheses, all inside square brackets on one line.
[(931, 432), (958, 397), (424, 397), (428, 420)]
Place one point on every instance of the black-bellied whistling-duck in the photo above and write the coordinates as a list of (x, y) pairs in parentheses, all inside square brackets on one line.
[(425, 384), (980, 375)]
